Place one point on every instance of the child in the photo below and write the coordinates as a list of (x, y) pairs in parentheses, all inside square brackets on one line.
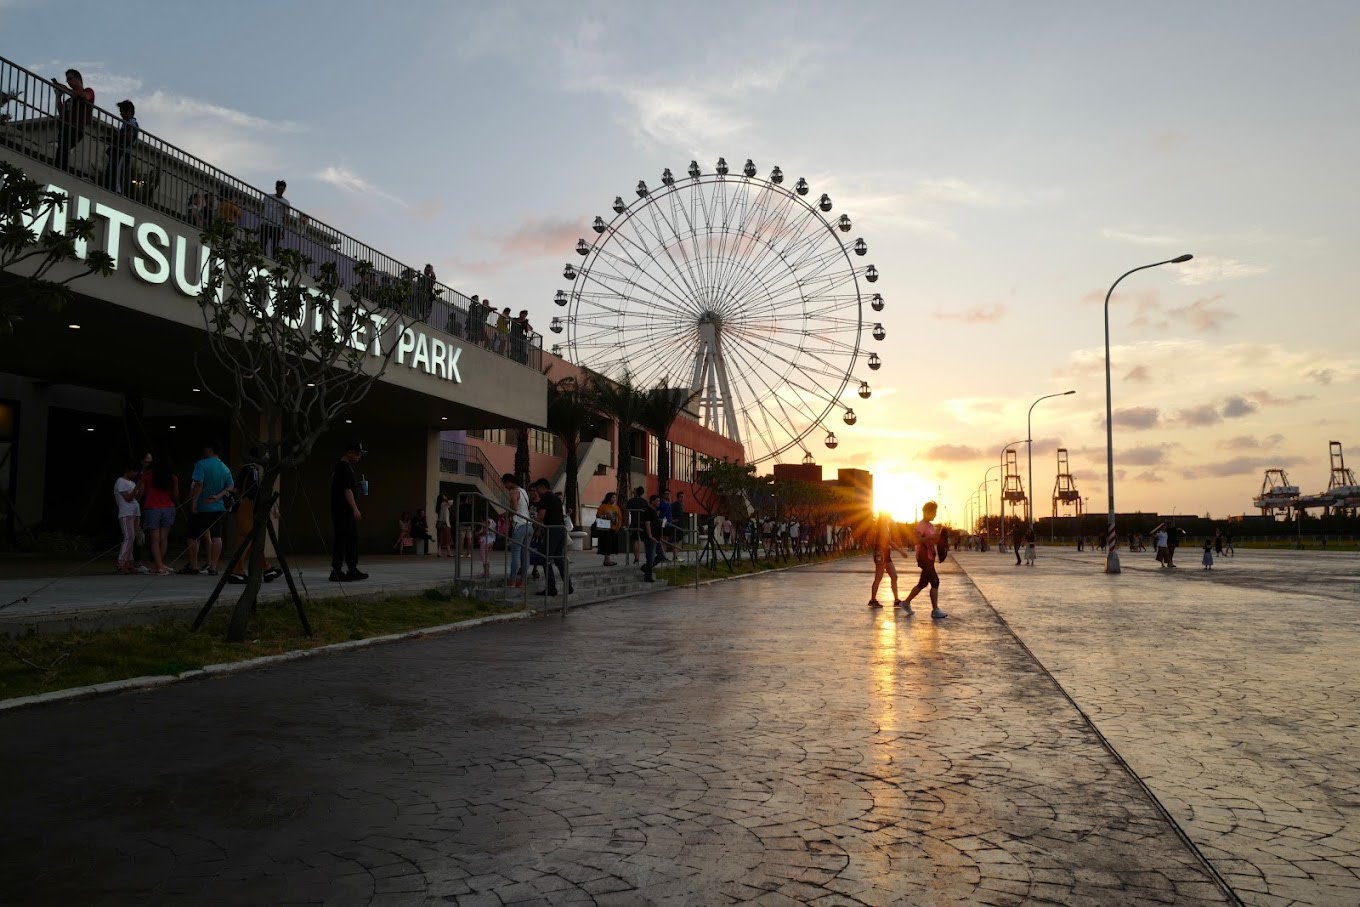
[(1029, 550), (404, 539), (1208, 554), (488, 540)]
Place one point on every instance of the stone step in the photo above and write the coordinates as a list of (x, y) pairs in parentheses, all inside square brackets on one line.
[(586, 592)]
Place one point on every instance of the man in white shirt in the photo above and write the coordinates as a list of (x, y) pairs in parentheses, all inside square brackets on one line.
[(125, 494), (275, 218)]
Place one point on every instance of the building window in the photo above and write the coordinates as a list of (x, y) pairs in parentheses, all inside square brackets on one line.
[(682, 463), (542, 442), (490, 435), (653, 456)]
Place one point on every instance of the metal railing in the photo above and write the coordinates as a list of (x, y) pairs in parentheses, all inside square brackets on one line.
[(52, 126), (487, 525)]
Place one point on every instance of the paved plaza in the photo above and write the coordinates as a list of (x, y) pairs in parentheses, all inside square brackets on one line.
[(768, 740), (1233, 693)]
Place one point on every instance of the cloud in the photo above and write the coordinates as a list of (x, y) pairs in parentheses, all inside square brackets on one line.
[(953, 453), (230, 139), (962, 193), (1207, 414), (1249, 442), (544, 237), (1239, 466), (1212, 269), (1237, 407), (1147, 455), (1201, 315), (1323, 376), (347, 180), (1139, 374), (1266, 398), (1136, 418), (1148, 475), (975, 315)]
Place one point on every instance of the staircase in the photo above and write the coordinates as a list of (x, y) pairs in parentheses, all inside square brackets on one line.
[(459, 462)]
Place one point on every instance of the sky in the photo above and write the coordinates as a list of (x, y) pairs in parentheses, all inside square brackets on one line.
[(1005, 162)]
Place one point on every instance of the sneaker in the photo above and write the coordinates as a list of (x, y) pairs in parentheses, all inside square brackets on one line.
[(873, 603), (142, 569), (355, 575), (272, 574), (236, 579), (906, 608), (211, 571), (937, 614), (338, 577)]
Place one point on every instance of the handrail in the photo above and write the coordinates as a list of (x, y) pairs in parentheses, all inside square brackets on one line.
[(509, 540), (153, 172), (459, 450)]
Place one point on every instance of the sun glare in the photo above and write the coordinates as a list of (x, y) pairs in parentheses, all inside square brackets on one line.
[(901, 494)]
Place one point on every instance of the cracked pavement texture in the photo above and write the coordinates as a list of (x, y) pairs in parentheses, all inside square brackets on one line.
[(1232, 693), (768, 740)]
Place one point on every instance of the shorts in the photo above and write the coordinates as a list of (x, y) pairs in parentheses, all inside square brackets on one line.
[(208, 523), (158, 518)]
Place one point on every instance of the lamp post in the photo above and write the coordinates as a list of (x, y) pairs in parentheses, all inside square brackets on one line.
[(1001, 495), (986, 498), (1111, 539), (1029, 451)]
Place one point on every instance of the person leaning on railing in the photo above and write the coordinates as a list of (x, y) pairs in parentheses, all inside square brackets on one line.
[(75, 110)]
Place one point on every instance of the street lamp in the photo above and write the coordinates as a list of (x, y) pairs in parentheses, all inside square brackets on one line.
[(1112, 555), (986, 498), (1029, 452)]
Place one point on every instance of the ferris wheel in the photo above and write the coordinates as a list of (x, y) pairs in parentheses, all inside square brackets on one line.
[(737, 288)]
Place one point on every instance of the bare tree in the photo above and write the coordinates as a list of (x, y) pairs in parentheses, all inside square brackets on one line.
[(571, 412), (31, 247), (288, 355)]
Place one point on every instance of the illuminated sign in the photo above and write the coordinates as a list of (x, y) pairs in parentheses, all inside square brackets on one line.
[(156, 256)]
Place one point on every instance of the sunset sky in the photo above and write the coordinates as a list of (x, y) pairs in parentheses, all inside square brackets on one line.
[(1004, 161)]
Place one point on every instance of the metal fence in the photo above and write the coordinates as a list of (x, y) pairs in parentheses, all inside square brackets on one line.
[(46, 121)]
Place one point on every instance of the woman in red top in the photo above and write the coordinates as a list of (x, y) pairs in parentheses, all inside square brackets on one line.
[(160, 490)]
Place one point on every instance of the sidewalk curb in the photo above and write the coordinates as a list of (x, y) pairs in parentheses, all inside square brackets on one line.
[(237, 667)]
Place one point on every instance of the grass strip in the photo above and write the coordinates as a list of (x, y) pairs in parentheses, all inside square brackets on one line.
[(685, 574), (42, 663)]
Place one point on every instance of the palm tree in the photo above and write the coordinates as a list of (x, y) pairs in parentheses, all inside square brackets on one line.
[(623, 402), (571, 412), (661, 408)]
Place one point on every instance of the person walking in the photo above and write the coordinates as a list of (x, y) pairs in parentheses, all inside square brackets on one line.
[(345, 516), (1017, 542), (886, 541), (608, 522), (1029, 549), (212, 485), (118, 172), (519, 530), (926, 548), (650, 521), (1159, 539), (1173, 540), (637, 509)]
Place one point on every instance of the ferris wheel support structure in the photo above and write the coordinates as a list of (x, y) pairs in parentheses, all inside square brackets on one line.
[(710, 384)]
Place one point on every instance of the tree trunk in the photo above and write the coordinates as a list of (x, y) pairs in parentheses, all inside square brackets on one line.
[(663, 467), (245, 605), (522, 456), (625, 468), (572, 491)]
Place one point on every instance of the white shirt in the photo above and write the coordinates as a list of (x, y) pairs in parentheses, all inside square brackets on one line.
[(1161, 540), (276, 209), (521, 515), (125, 507)]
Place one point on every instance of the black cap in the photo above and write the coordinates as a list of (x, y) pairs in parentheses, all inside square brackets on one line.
[(356, 445)]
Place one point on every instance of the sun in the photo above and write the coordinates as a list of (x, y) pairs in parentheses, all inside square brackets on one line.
[(901, 494)]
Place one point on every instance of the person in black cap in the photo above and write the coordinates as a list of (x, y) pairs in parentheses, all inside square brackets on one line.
[(118, 173), (345, 517)]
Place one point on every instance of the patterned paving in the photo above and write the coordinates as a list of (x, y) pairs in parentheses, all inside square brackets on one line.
[(1233, 693), (767, 741)]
